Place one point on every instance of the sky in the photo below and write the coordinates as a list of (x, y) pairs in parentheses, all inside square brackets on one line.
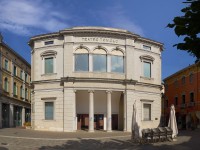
[(22, 19)]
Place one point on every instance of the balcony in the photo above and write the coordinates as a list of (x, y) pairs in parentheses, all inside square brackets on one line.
[(183, 106)]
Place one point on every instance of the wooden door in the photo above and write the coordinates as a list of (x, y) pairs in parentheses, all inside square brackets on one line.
[(114, 121)]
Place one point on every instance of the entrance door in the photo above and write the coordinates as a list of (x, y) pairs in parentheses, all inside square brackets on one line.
[(83, 121), (98, 121), (17, 116), (114, 121), (5, 115)]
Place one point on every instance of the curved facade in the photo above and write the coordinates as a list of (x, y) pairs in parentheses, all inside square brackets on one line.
[(90, 77)]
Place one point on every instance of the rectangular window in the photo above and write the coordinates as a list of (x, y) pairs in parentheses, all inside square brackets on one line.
[(21, 74), (147, 69), (99, 63), (49, 110), (117, 64), (146, 47), (49, 65), (191, 97), (176, 101), (6, 64), (26, 76), (81, 62), (183, 99), (48, 42), (147, 112), (15, 71)]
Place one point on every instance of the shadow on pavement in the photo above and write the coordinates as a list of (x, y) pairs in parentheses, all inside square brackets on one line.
[(186, 140)]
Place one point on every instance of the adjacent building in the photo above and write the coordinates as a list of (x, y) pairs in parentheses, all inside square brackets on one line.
[(182, 90), (90, 78), (15, 100)]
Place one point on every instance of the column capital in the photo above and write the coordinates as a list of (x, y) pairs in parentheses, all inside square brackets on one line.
[(108, 91), (90, 91)]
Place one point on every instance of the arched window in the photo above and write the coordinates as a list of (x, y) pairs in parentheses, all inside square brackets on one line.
[(21, 91), (117, 61), (6, 84), (99, 60), (81, 59), (14, 89)]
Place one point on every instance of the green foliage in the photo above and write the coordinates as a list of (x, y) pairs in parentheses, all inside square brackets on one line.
[(188, 26)]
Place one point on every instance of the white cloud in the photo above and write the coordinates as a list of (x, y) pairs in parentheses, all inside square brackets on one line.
[(23, 16), (115, 17)]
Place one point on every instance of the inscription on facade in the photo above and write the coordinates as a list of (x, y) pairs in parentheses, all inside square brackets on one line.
[(99, 39)]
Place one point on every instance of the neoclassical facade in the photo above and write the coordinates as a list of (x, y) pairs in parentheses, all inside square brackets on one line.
[(90, 78)]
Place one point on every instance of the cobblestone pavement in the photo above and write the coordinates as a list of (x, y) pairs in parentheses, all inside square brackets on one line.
[(22, 139)]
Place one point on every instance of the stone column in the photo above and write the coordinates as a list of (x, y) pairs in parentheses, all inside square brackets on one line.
[(0, 114), (11, 115), (109, 112), (125, 118), (91, 111), (23, 116)]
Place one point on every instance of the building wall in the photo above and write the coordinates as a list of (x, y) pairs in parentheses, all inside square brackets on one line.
[(174, 87), (71, 87), (7, 96)]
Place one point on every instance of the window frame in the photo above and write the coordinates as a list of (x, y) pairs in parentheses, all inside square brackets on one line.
[(53, 117), (15, 90), (148, 59), (120, 54), (147, 101), (6, 84), (6, 67), (192, 100), (79, 54), (45, 64), (47, 54)]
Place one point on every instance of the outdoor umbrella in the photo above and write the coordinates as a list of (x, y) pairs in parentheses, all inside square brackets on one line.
[(172, 121), (136, 133)]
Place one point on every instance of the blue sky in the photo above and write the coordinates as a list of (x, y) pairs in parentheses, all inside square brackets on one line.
[(21, 19)]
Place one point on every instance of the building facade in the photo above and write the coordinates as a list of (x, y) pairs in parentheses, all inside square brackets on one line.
[(90, 77), (15, 99), (182, 90)]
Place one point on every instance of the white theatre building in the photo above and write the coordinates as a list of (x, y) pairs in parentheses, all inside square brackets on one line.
[(90, 78)]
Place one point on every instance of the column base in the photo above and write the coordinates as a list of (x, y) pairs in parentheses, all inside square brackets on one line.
[(108, 130), (91, 131)]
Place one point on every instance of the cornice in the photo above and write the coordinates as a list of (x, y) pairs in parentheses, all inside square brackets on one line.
[(97, 80)]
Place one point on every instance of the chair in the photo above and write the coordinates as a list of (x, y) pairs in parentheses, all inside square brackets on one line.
[(169, 133), (146, 135), (155, 135), (163, 133)]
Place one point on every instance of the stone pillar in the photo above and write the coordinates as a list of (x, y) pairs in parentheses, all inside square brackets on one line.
[(125, 118), (23, 116), (109, 112), (11, 116), (0, 114), (91, 111), (75, 117)]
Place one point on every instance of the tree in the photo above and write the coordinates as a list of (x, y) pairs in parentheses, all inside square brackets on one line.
[(188, 26)]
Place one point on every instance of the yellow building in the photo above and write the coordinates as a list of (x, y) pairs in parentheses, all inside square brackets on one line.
[(15, 101)]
